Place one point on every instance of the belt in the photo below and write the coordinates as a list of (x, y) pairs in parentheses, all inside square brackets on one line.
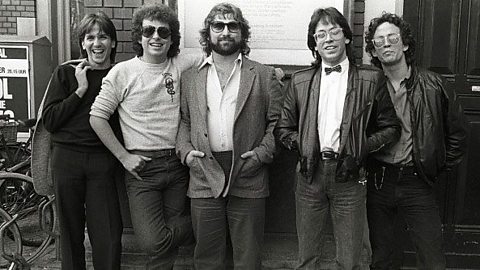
[(400, 169), (155, 153), (327, 155)]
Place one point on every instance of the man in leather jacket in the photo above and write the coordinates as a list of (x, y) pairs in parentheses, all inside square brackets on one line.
[(433, 138), (334, 114)]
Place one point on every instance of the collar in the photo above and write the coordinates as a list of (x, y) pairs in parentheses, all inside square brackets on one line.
[(344, 64), (209, 60), (407, 76)]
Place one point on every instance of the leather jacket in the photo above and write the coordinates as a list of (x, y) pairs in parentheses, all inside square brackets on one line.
[(369, 121), (438, 126)]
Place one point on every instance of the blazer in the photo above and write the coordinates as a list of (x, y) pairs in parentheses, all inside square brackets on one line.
[(257, 110)]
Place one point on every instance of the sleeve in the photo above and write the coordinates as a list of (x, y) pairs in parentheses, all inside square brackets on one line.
[(267, 148), (286, 130), (187, 61), (109, 97), (61, 101), (455, 126), (183, 141), (384, 127)]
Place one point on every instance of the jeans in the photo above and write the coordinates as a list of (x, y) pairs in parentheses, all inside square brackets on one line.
[(346, 202), (157, 203), (411, 195), (85, 191), (213, 219)]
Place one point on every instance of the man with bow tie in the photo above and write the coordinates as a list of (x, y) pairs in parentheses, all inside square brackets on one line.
[(334, 114)]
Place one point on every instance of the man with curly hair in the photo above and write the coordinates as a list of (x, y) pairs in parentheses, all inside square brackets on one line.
[(402, 176), (229, 107), (146, 92)]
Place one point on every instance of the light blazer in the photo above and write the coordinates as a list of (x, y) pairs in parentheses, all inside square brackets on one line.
[(257, 110)]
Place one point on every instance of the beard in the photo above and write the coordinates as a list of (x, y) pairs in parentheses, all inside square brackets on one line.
[(225, 49)]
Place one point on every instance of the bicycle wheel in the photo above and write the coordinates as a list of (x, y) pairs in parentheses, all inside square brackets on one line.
[(37, 217), (11, 244)]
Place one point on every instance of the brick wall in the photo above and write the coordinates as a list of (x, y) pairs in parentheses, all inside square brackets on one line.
[(357, 28), (10, 10), (120, 11)]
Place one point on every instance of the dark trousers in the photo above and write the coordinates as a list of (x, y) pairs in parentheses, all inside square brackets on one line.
[(396, 191), (346, 202), (85, 190), (213, 219), (157, 205)]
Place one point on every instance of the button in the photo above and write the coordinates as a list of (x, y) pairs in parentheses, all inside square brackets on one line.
[(205, 134)]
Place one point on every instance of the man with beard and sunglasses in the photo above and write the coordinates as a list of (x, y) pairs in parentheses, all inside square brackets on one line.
[(146, 92), (229, 107), (433, 140)]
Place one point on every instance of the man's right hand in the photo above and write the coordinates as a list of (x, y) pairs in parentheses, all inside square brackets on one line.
[(134, 163), (193, 154)]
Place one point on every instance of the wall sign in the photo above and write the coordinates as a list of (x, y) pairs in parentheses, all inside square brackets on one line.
[(278, 27), (14, 81)]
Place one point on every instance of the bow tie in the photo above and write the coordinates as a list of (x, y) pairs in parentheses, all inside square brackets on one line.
[(336, 68)]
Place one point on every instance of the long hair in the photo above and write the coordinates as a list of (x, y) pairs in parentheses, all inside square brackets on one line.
[(104, 23), (161, 13), (333, 16), (405, 33), (223, 9)]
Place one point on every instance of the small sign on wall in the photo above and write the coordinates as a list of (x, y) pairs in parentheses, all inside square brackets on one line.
[(278, 27)]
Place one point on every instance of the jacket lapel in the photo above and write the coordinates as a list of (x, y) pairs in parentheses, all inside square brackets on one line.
[(347, 107), (201, 91), (246, 82)]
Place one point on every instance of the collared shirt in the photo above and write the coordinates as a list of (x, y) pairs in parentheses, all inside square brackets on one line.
[(399, 153), (221, 105), (333, 89)]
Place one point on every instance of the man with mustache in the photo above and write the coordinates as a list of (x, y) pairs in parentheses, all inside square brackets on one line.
[(229, 107), (433, 139)]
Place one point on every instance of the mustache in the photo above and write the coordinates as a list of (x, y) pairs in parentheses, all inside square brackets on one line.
[(225, 38)]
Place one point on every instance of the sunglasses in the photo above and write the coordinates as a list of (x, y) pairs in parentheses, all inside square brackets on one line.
[(335, 34), (392, 40), (218, 27), (163, 32)]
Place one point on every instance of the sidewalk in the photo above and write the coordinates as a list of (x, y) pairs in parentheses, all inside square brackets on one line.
[(280, 252)]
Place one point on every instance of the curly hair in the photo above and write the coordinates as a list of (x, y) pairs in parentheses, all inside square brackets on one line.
[(160, 13), (333, 16), (104, 23), (405, 33), (223, 9)]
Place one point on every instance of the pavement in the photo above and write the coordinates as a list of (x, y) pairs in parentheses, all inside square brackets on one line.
[(280, 252)]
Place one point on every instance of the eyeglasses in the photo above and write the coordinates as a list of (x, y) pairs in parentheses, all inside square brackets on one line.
[(163, 32), (392, 39), (218, 27), (335, 34)]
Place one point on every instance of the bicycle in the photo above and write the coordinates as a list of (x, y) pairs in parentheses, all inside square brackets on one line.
[(11, 246), (31, 215), (14, 155)]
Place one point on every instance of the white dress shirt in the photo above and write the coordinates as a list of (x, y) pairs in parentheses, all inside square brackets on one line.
[(333, 89), (221, 105)]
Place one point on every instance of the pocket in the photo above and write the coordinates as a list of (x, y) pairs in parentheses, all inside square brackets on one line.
[(251, 167), (195, 167)]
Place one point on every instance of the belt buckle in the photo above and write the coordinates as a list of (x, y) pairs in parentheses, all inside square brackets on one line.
[(325, 155)]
